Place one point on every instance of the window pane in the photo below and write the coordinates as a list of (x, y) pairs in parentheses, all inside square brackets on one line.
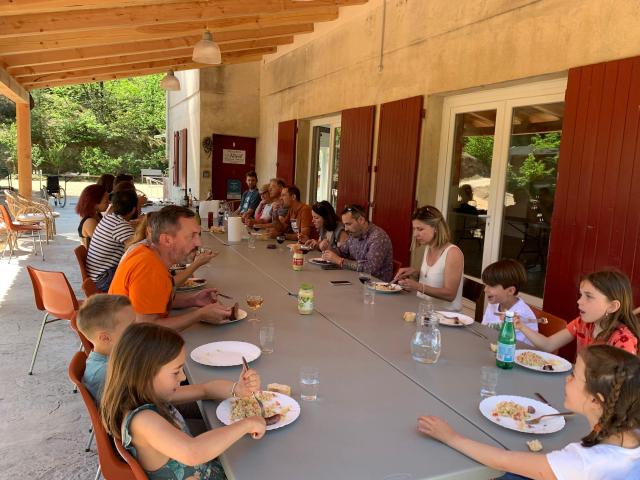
[(335, 169), (530, 189)]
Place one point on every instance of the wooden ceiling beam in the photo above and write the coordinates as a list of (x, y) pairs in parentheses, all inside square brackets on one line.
[(10, 88), (11, 46), (149, 15), (166, 64), (21, 7), (136, 73), (20, 72)]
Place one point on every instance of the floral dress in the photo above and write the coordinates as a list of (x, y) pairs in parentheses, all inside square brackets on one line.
[(173, 470)]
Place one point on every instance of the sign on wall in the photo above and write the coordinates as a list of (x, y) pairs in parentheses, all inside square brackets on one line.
[(234, 156), (234, 189)]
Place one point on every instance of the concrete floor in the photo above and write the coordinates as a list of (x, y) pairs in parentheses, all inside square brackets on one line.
[(43, 424)]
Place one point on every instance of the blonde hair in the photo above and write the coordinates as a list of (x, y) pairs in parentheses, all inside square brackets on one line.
[(142, 231), (431, 216), (141, 352), (98, 312)]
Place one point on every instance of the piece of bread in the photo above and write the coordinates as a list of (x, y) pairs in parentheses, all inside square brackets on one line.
[(234, 312), (535, 445), (409, 316), (280, 388), (493, 347)]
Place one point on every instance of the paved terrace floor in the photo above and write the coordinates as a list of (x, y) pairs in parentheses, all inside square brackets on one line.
[(43, 424)]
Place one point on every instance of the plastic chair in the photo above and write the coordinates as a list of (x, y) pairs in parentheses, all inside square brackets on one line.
[(555, 324), (15, 229), (109, 464), (54, 296), (474, 291), (89, 287)]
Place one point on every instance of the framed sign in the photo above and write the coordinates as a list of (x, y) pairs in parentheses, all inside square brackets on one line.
[(237, 157), (234, 189)]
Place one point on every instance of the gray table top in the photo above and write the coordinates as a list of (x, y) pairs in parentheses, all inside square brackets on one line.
[(363, 424), (454, 380)]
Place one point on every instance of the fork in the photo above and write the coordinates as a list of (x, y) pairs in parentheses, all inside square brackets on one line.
[(535, 421), (457, 321), (255, 394)]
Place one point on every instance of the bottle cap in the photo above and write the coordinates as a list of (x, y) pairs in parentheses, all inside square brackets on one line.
[(306, 286)]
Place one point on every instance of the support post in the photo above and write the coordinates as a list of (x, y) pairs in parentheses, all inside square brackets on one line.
[(23, 121)]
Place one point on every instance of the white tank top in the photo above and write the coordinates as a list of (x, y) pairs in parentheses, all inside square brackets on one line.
[(433, 276)]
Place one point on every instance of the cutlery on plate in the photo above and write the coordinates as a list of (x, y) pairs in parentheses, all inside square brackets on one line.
[(535, 421), (544, 400), (268, 420), (225, 296), (457, 321)]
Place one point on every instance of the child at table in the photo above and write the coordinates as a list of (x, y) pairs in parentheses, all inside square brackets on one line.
[(102, 319), (143, 381), (502, 283), (606, 316), (604, 387)]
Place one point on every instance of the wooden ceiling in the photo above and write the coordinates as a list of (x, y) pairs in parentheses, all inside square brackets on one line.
[(46, 43)]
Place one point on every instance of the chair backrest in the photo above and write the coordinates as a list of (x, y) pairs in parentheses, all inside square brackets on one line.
[(112, 467), (56, 294), (555, 324), (6, 218), (474, 291), (88, 285)]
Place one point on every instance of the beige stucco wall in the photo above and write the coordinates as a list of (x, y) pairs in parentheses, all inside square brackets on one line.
[(432, 47)]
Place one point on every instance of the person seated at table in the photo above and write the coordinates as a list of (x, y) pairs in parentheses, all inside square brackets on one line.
[(93, 200), (142, 236), (109, 238), (102, 318), (106, 180), (440, 277), (137, 408), (502, 283), (604, 387), (368, 248), (263, 212), (144, 275), (297, 224), (606, 316), (465, 192), (275, 191), (126, 185), (331, 232), (250, 199)]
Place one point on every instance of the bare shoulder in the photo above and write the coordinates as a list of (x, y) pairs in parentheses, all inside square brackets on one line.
[(454, 251)]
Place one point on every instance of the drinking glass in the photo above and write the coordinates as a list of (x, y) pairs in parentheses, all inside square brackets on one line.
[(488, 381), (364, 277), (369, 292), (254, 302), (280, 239), (309, 383), (251, 241), (267, 338)]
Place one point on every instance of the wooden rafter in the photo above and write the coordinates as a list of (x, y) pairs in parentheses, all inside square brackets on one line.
[(10, 88)]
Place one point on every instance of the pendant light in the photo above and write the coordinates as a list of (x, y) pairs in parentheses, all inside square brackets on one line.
[(207, 51), (170, 82)]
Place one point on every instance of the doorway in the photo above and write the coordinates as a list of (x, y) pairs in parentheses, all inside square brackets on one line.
[(324, 167)]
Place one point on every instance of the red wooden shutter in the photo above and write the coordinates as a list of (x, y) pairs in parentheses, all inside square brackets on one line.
[(183, 158), (596, 219), (286, 166), (396, 168), (356, 148), (176, 158)]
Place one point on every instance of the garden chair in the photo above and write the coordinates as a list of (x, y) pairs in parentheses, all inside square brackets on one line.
[(13, 233), (88, 285)]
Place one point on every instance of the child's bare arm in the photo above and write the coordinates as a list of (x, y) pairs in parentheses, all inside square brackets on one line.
[(548, 344), (248, 383)]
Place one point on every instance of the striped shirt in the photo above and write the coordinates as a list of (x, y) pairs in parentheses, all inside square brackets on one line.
[(107, 244)]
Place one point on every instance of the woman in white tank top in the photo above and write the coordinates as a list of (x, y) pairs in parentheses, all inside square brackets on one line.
[(441, 275)]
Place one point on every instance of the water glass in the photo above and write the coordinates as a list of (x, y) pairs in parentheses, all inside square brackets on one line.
[(488, 381), (267, 338), (369, 293), (309, 383), (251, 241)]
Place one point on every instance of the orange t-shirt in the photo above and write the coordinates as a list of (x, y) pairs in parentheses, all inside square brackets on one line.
[(300, 218), (621, 337), (145, 279)]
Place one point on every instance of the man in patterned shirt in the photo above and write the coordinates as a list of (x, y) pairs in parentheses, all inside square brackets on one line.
[(368, 248)]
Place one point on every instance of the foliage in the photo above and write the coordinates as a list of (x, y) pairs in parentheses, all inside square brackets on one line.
[(540, 166), (104, 127), (480, 147)]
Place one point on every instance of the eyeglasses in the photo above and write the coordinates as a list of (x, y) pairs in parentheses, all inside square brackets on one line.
[(353, 209)]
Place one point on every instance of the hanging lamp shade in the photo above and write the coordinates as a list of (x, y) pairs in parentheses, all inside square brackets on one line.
[(170, 82), (207, 51)]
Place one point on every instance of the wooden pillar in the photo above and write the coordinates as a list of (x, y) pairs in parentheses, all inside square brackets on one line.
[(23, 121)]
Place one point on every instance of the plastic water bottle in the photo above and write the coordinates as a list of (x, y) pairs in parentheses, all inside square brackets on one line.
[(506, 354)]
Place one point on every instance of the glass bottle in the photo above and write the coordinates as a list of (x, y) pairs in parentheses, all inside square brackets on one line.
[(298, 260), (426, 343), (506, 353), (305, 299)]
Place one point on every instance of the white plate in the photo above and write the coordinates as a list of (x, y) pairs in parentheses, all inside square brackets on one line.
[(242, 314), (559, 364), (546, 425), (319, 261), (223, 412), (225, 354), (199, 283), (447, 318), (380, 287)]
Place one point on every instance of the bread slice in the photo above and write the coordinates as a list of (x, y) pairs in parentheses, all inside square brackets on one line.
[(280, 388)]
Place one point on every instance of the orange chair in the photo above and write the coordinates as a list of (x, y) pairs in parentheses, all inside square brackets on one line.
[(54, 296), (555, 324), (15, 229), (109, 464), (474, 291), (89, 287)]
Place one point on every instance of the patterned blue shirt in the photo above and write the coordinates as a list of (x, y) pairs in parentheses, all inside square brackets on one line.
[(373, 252), (249, 200)]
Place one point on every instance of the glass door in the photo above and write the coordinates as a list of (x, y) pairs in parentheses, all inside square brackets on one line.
[(499, 154), (325, 160)]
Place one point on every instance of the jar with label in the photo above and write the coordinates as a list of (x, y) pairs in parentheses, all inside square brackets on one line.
[(298, 260), (305, 299)]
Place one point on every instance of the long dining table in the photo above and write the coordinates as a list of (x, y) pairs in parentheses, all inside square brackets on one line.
[(363, 424)]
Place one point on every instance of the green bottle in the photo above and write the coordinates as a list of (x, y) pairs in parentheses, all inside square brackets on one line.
[(506, 354)]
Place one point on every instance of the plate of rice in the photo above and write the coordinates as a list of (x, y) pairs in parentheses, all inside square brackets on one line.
[(233, 409), (512, 412), (542, 361)]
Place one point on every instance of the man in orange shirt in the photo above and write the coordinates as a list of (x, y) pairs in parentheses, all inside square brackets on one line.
[(144, 275), (297, 225)]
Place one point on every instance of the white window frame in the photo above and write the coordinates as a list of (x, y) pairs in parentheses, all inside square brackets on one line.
[(333, 121)]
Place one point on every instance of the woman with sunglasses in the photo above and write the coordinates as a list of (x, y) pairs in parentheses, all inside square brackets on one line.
[(439, 280)]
